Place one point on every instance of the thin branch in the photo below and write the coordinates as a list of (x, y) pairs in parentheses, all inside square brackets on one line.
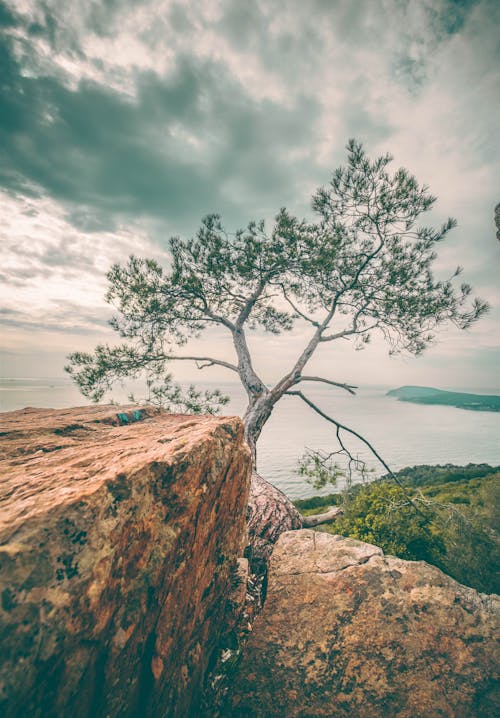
[(348, 387), (207, 311), (343, 427), (359, 464), (297, 310), (339, 335), (210, 361), (218, 318), (349, 332)]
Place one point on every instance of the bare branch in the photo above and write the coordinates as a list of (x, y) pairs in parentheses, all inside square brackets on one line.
[(354, 329), (349, 332), (339, 335), (343, 427), (325, 518), (291, 377), (209, 361), (217, 317), (348, 387), (204, 365)]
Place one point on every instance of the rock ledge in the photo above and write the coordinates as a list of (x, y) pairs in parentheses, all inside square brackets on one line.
[(347, 631)]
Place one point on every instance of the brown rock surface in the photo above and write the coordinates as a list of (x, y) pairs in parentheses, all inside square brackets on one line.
[(118, 534), (347, 631)]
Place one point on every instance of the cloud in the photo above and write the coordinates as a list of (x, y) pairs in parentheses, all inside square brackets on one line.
[(66, 317), (53, 274), (174, 151), (124, 122)]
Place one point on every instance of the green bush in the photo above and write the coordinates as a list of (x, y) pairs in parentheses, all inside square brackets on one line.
[(472, 540), (381, 514), (314, 503)]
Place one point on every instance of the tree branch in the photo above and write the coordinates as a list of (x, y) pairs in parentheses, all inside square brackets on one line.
[(296, 309), (348, 387), (210, 361), (291, 377), (251, 301), (349, 332), (343, 427), (216, 317)]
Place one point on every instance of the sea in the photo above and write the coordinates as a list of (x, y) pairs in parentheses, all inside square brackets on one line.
[(404, 434)]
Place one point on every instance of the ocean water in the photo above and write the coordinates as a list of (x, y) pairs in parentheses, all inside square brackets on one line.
[(404, 434)]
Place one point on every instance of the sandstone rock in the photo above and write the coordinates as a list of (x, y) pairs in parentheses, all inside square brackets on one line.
[(118, 534), (347, 631)]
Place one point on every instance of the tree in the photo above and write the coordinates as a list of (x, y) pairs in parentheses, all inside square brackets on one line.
[(362, 266)]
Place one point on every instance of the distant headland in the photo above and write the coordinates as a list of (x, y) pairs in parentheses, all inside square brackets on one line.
[(427, 395)]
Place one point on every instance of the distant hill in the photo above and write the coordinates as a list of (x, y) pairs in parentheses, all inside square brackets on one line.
[(427, 395)]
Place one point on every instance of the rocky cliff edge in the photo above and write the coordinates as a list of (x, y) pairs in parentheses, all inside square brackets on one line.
[(119, 532)]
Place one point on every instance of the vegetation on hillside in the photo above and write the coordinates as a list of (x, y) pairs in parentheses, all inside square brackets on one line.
[(425, 475), (451, 521), (459, 399)]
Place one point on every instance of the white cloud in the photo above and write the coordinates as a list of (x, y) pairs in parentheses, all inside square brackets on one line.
[(47, 262)]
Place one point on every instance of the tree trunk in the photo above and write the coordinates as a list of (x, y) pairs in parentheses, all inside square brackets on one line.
[(270, 513), (257, 413)]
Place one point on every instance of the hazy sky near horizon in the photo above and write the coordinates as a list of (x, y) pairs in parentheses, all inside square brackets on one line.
[(123, 123)]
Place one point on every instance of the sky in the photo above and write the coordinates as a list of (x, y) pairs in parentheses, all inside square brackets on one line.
[(123, 123)]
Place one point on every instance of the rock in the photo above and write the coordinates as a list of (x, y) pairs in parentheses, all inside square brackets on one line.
[(347, 631), (119, 534)]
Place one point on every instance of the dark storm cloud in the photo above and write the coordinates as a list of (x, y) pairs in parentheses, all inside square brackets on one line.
[(7, 17), (454, 15), (107, 155), (94, 147)]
